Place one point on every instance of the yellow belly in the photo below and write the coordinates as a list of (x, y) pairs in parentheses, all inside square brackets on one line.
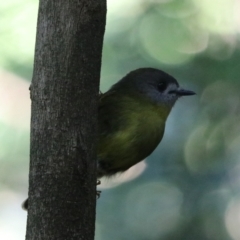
[(142, 132)]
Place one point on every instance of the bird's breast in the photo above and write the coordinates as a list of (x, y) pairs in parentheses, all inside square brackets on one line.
[(140, 130)]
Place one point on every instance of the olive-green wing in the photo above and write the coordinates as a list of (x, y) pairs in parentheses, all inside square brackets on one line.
[(110, 119)]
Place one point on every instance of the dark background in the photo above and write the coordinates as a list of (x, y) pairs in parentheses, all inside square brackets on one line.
[(189, 187)]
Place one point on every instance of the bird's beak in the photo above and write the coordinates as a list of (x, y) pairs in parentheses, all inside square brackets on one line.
[(183, 92)]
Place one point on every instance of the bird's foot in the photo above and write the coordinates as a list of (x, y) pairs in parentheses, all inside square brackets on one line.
[(98, 193)]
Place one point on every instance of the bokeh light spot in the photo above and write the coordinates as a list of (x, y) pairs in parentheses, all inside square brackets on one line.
[(153, 209)]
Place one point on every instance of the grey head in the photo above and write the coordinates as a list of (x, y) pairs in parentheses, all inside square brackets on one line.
[(156, 85)]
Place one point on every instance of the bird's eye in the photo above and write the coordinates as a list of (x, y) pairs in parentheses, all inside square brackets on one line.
[(162, 87)]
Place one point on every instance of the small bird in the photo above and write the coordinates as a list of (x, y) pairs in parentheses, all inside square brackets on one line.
[(131, 118)]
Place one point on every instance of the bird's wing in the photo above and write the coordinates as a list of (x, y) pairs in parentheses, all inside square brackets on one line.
[(109, 114)]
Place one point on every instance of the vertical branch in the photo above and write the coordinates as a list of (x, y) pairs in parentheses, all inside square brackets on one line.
[(64, 94)]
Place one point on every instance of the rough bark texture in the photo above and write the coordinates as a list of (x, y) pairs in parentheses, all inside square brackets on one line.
[(64, 93)]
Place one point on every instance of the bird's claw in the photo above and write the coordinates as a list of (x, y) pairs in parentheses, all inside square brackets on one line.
[(98, 193)]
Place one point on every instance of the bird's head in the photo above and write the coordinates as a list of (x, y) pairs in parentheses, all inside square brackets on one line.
[(156, 85)]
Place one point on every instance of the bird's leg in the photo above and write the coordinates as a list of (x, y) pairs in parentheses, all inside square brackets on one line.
[(98, 192)]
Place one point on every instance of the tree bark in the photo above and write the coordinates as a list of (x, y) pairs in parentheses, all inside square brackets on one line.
[(64, 94)]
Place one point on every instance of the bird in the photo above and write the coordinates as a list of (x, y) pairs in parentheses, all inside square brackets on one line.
[(132, 116)]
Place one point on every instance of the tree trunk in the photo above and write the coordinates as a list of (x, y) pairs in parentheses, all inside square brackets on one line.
[(64, 94)]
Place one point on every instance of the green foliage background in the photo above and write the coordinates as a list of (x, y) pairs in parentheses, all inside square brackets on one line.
[(189, 187)]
